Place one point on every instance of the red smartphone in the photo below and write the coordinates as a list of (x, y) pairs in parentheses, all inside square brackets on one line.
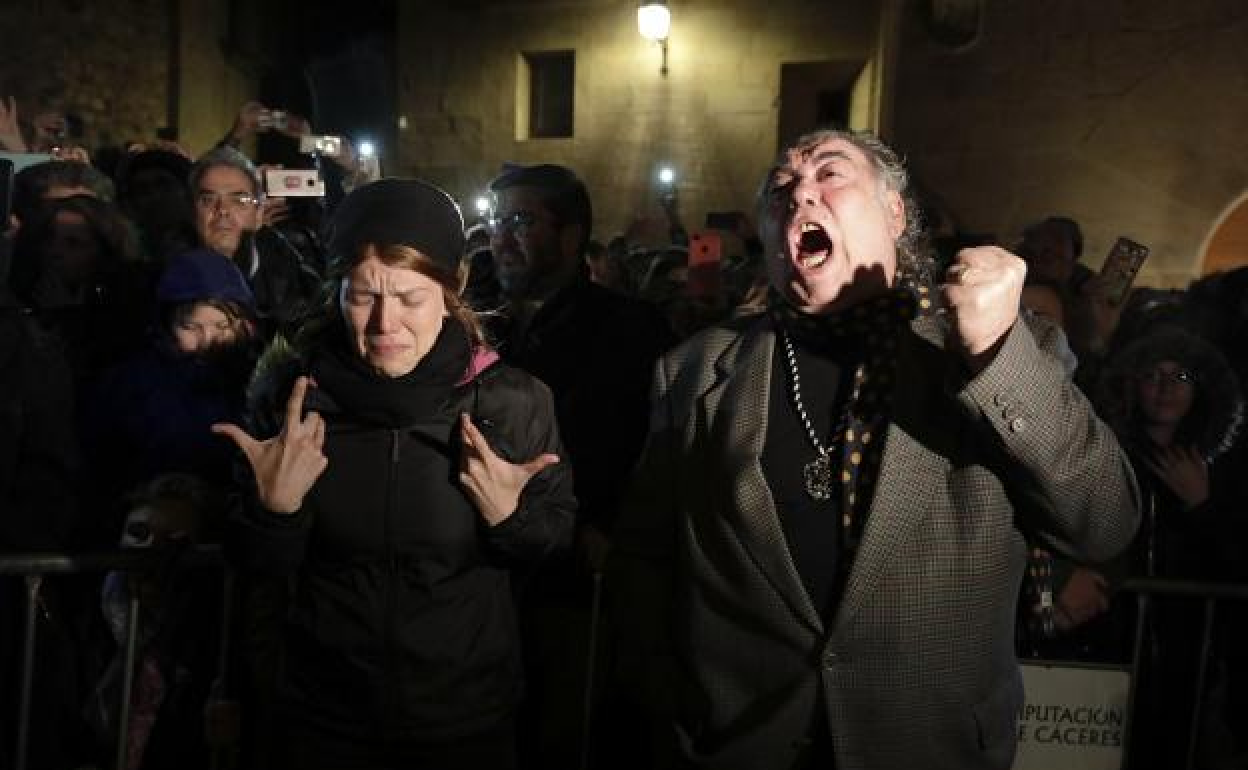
[(1120, 268), (706, 250)]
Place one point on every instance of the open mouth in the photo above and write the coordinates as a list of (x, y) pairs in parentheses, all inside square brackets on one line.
[(813, 246)]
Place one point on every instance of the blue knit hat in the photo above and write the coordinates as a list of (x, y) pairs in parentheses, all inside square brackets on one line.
[(203, 274)]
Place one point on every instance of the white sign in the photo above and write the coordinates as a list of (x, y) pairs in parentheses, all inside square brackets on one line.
[(1073, 717)]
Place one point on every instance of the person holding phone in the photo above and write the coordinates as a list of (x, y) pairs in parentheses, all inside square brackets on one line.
[(402, 474)]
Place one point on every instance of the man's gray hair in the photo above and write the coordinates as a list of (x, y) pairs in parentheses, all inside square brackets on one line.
[(914, 259), (225, 157)]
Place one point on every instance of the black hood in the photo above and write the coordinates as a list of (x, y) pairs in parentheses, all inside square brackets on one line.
[(1218, 408)]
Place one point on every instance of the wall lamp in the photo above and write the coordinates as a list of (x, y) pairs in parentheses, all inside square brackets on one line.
[(654, 21)]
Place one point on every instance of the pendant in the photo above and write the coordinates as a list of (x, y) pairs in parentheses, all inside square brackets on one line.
[(818, 476)]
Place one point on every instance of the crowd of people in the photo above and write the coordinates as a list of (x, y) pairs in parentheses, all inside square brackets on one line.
[(521, 493)]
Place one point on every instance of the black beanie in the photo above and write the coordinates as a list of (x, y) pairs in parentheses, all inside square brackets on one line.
[(406, 212)]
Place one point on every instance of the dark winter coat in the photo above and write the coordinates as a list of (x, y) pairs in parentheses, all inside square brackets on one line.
[(38, 448), (402, 625)]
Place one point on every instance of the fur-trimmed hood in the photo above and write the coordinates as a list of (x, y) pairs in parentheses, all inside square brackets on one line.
[(1217, 410)]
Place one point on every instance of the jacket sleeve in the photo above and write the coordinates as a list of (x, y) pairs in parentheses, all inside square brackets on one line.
[(544, 518), (1059, 459), (263, 541)]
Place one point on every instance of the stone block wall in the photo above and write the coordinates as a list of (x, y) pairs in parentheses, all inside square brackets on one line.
[(713, 117), (106, 62), (127, 68), (1127, 116)]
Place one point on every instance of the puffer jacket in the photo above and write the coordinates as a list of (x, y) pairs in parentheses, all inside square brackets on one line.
[(401, 624)]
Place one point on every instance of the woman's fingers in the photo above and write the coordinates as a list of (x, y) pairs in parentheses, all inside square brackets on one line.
[(294, 404), (540, 463), (240, 437), (472, 436), (318, 429)]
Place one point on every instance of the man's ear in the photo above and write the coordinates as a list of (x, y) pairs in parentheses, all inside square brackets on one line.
[(896, 208)]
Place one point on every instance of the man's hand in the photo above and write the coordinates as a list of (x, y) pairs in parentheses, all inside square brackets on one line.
[(248, 121), (1103, 314), (982, 292), (1085, 596), (274, 211), (11, 139), (492, 483), (296, 126), (72, 152), (1184, 471), (287, 465)]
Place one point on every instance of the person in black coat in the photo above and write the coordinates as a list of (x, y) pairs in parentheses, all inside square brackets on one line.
[(402, 476), (596, 349)]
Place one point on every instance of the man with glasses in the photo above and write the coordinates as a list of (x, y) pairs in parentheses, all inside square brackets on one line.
[(228, 199), (225, 187), (596, 350)]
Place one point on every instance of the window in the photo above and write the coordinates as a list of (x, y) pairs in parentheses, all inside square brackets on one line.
[(545, 99)]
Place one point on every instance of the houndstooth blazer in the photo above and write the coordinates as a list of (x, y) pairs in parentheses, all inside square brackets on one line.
[(917, 670)]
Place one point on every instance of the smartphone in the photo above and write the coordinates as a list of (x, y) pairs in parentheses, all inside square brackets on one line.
[(1120, 268), (705, 248), (293, 183), (272, 119), (330, 146), (706, 251)]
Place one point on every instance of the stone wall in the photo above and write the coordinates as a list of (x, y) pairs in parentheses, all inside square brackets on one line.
[(713, 117), (106, 62), (1127, 116), (127, 68)]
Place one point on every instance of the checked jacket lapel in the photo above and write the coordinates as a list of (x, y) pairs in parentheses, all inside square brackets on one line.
[(735, 411)]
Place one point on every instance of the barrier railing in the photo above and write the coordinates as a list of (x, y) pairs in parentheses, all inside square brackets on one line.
[(34, 567), (1146, 590)]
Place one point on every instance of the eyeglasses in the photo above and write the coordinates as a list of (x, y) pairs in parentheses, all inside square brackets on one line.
[(513, 222), (211, 201), (1178, 377)]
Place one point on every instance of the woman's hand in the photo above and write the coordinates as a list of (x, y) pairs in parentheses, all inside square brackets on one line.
[(492, 483), (287, 465), (1184, 471)]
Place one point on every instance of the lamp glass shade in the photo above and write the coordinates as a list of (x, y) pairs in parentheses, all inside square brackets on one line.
[(654, 21)]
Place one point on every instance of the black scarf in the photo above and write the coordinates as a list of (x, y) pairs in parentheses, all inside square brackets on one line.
[(870, 333), (393, 402)]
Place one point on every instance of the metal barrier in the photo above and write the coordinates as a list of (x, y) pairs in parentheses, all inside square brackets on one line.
[(33, 567), (1146, 590)]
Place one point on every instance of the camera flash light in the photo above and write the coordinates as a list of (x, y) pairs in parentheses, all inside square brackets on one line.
[(482, 204), (667, 175), (367, 149)]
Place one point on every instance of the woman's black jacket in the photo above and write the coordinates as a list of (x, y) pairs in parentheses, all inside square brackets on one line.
[(401, 623)]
